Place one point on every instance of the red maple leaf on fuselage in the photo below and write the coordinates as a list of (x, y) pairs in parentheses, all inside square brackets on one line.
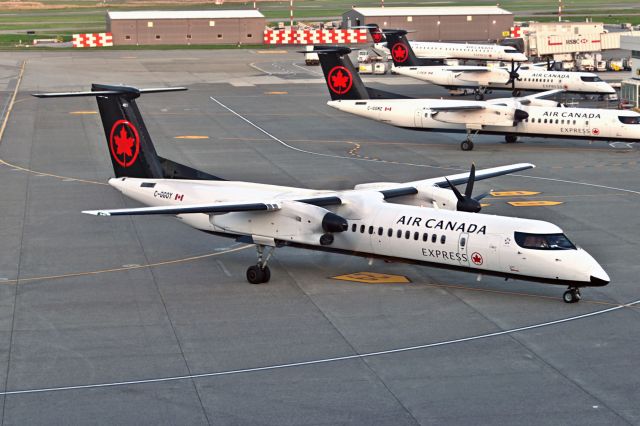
[(340, 80), (124, 143)]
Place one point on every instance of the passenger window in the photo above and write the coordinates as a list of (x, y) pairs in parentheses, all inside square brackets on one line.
[(399, 234), (434, 238), (362, 229), (425, 237), (416, 236), (574, 122), (390, 232), (557, 121), (545, 121), (380, 230), (407, 234), (370, 230), (443, 239), (353, 227)]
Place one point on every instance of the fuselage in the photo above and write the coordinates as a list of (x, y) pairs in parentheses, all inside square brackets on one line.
[(584, 123), (478, 52), (532, 79), (494, 245)]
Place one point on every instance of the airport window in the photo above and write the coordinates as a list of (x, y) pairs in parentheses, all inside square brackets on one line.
[(416, 236), (409, 18), (434, 238), (150, 24), (362, 229), (212, 23), (157, 36), (390, 232), (469, 18), (543, 241), (629, 119), (425, 237), (380, 230), (463, 241), (443, 239), (249, 35), (127, 37), (370, 230), (219, 35), (399, 234), (353, 227), (188, 36)]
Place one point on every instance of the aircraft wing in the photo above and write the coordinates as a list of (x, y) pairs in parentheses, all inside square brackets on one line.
[(411, 188), (467, 69), (525, 100), (214, 208)]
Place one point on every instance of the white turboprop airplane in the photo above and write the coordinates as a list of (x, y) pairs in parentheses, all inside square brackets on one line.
[(419, 222), (440, 50), (485, 79), (512, 117)]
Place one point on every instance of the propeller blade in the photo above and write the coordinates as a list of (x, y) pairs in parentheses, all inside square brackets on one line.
[(481, 196), (472, 178), (455, 191)]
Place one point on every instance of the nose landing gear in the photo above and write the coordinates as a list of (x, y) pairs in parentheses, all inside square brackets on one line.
[(260, 273), (572, 295)]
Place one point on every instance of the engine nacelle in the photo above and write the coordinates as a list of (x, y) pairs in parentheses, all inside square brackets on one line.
[(492, 115), (432, 196), (294, 221)]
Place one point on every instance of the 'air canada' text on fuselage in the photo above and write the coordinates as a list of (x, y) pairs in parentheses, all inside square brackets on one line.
[(471, 228)]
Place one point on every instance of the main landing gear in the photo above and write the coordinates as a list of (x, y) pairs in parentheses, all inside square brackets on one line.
[(467, 144), (480, 92), (260, 273), (511, 138), (572, 295)]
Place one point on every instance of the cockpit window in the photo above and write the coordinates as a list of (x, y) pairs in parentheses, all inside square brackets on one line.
[(625, 119), (543, 241), (590, 78)]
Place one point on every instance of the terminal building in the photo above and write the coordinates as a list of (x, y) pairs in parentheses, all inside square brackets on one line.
[(468, 23), (186, 27), (630, 89)]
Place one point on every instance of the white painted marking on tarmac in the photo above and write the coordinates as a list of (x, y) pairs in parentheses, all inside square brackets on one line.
[(306, 69), (625, 145), (131, 265), (323, 360), (224, 268)]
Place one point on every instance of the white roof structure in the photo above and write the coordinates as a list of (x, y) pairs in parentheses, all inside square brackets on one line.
[(185, 14), (431, 11)]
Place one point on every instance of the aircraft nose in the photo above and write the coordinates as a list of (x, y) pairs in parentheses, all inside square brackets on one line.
[(599, 277)]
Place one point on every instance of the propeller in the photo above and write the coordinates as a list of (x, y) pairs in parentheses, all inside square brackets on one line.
[(513, 75), (467, 203)]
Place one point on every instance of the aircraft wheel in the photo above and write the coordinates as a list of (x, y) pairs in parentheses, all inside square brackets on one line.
[(516, 93), (572, 295), (511, 138), (466, 145), (267, 274), (479, 97), (255, 275)]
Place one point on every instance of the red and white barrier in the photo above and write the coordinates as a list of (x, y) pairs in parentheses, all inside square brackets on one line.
[(516, 32), (93, 40), (315, 36)]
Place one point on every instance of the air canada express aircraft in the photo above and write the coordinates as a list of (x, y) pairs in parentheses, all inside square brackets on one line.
[(425, 222), (482, 79), (512, 117), (439, 50)]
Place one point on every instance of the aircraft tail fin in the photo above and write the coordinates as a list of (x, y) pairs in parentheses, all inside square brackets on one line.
[(130, 146), (402, 53), (343, 81)]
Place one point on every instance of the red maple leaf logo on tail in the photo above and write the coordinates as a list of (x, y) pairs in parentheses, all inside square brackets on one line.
[(124, 143), (400, 53), (340, 80), (377, 36)]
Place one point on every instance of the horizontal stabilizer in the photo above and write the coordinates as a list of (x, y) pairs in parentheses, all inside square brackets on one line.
[(108, 90)]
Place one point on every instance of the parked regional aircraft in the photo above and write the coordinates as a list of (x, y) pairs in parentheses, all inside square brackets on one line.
[(376, 220), (483, 79), (440, 50), (512, 117)]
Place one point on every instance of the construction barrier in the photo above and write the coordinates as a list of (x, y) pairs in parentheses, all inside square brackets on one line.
[(93, 40), (315, 36)]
